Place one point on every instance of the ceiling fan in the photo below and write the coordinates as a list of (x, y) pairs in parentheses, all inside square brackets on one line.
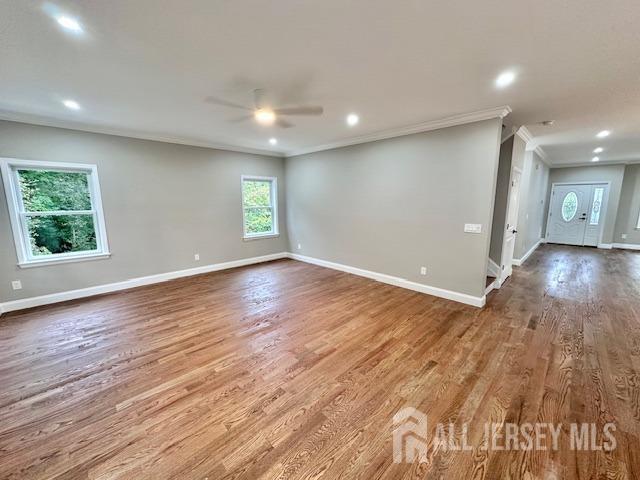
[(264, 113)]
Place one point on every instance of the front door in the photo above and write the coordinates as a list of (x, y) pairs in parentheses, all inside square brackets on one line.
[(574, 214)]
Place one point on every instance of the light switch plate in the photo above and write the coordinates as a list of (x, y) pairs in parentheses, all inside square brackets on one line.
[(473, 228)]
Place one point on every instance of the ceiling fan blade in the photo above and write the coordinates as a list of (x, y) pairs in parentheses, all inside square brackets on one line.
[(282, 123), (302, 110), (241, 119), (259, 98), (219, 101)]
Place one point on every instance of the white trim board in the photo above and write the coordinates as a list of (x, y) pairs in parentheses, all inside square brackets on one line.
[(491, 287), (519, 261), (462, 119), (493, 269), (396, 281), (131, 283), (499, 112), (524, 134), (530, 145), (627, 246), (121, 132), (163, 277)]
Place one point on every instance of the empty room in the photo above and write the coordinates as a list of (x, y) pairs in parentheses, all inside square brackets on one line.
[(319, 240)]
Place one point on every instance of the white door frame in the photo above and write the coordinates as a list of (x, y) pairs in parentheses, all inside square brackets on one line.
[(506, 264), (603, 209)]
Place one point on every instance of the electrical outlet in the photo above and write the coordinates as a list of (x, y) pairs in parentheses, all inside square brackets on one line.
[(299, 246), (624, 236), (196, 256), (16, 285), (423, 270)]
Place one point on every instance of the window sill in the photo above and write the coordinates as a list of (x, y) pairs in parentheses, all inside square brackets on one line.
[(258, 237), (57, 261)]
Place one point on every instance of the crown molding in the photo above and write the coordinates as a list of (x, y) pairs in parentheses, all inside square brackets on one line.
[(72, 125), (524, 134), (527, 136), (499, 112), (541, 153), (452, 121), (601, 163), (543, 156), (508, 134)]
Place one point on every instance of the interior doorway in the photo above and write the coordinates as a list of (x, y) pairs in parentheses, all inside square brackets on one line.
[(576, 213), (511, 226)]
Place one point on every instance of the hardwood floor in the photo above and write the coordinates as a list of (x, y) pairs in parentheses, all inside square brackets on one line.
[(288, 370)]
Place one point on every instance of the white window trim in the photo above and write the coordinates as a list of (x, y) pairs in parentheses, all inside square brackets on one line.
[(8, 167), (274, 208)]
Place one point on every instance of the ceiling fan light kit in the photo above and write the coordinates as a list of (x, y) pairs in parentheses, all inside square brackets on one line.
[(265, 114)]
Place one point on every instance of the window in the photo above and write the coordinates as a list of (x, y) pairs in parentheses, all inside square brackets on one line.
[(55, 211), (569, 206), (596, 206), (259, 206)]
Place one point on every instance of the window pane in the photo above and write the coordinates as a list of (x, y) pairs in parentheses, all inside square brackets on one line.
[(569, 206), (50, 234), (597, 205), (258, 220), (45, 190), (256, 193)]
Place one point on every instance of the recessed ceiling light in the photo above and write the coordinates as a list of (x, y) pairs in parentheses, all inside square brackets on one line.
[(603, 133), (598, 150), (69, 23), (595, 159), (273, 141), (505, 79), (71, 104), (352, 119), (265, 116)]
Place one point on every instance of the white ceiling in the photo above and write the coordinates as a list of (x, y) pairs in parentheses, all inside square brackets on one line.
[(144, 67)]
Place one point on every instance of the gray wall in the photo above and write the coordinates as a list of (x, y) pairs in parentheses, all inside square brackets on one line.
[(629, 207), (595, 173), (395, 205), (532, 203), (162, 203), (501, 200)]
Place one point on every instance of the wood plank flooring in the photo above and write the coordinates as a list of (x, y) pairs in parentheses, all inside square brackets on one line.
[(288, 370)]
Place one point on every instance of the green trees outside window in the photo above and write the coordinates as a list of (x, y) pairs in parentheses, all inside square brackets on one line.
[(258, 205), (58, 211)]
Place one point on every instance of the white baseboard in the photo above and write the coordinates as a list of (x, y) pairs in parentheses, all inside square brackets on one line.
[(605, 246), (627, 246), (131, 283), (397, 281), (493, 269), (519, 261), (495, 285), (163, 277)]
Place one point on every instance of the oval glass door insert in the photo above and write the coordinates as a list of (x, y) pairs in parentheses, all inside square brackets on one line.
[(569, 206)]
